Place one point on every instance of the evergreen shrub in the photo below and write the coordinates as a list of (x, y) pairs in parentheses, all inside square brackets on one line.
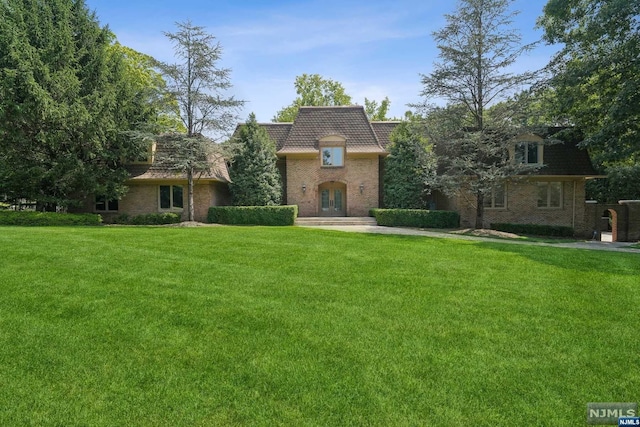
[(253, 215), (535, 229), (32, 218), (416, 218)]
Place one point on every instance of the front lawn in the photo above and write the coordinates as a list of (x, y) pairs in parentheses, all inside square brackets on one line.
[(292, 326)]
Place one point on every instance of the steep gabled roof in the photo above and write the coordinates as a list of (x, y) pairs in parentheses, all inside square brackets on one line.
[(314, 123)]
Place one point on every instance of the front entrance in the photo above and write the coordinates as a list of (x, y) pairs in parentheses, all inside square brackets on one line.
[(333, 198)]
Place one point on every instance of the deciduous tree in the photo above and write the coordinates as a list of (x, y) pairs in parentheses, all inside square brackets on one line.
[(313, 90), (597, 73), (375, 111)]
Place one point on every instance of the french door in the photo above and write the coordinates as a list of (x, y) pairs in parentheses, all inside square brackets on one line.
[(332, 199)]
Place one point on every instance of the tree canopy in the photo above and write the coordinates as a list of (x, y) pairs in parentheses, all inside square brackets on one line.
[(255, 180), (409, 168), (313, 90), (377, 111), (597, 73), (316, 91), (66, 101), (199, 85), (477, 46)]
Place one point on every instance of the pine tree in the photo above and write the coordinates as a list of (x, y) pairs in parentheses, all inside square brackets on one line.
[(255, 180), (64, 104), (408, 169)]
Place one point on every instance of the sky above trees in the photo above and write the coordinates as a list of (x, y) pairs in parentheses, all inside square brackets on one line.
[(375, 49)]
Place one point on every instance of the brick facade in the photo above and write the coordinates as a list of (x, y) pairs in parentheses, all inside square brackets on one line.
[(143, 198), (359, 171), (622, 219), (522, 206)]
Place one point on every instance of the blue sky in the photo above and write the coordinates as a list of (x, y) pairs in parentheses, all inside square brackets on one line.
[(375, 48)]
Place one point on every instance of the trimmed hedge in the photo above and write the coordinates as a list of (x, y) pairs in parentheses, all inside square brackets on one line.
[(535, 229), (147, 219), (416, 218), (31, 218), (253, 215)]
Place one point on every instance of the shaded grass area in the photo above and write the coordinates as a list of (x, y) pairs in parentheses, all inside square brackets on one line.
[(291, 326)]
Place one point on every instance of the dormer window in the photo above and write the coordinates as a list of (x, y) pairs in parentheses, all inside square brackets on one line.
[(332, 156), (529, 152), (332, 150)]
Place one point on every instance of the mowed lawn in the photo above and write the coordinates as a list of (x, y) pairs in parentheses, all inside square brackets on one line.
[(288, 326)]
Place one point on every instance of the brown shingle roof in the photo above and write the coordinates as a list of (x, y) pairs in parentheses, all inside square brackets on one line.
[(566, 158), (383, 130), (313, 123), (278, 132), (140, 172)]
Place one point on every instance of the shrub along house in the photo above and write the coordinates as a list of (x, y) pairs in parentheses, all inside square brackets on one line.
[(157, 189), (554, 194), (332, 163), (332, 160)]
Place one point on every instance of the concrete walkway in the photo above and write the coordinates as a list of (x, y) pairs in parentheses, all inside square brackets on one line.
[(587, 244)]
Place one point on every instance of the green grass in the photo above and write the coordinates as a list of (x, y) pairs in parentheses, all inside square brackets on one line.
[(290, 326)]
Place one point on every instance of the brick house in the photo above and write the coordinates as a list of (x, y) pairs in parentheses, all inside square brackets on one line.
[(553, 195), (332, 162), (155, 189)]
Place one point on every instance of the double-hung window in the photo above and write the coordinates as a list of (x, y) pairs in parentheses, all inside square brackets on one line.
[(171, 197), (549, 194)]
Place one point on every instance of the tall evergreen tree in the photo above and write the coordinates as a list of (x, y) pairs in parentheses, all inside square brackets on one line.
[(255, 180), (409, 168), (477, 47), (64, 104), (199, 85)]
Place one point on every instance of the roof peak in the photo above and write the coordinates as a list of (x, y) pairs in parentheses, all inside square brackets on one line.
[(328, 107)]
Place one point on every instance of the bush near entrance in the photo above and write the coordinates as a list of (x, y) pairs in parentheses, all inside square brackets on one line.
[(416, 218), (253, 215)]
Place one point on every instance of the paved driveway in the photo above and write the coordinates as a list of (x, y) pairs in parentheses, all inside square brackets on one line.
[(587, 244)]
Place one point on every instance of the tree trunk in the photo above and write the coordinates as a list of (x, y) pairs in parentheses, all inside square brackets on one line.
[(190, 207), (480, 211)]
